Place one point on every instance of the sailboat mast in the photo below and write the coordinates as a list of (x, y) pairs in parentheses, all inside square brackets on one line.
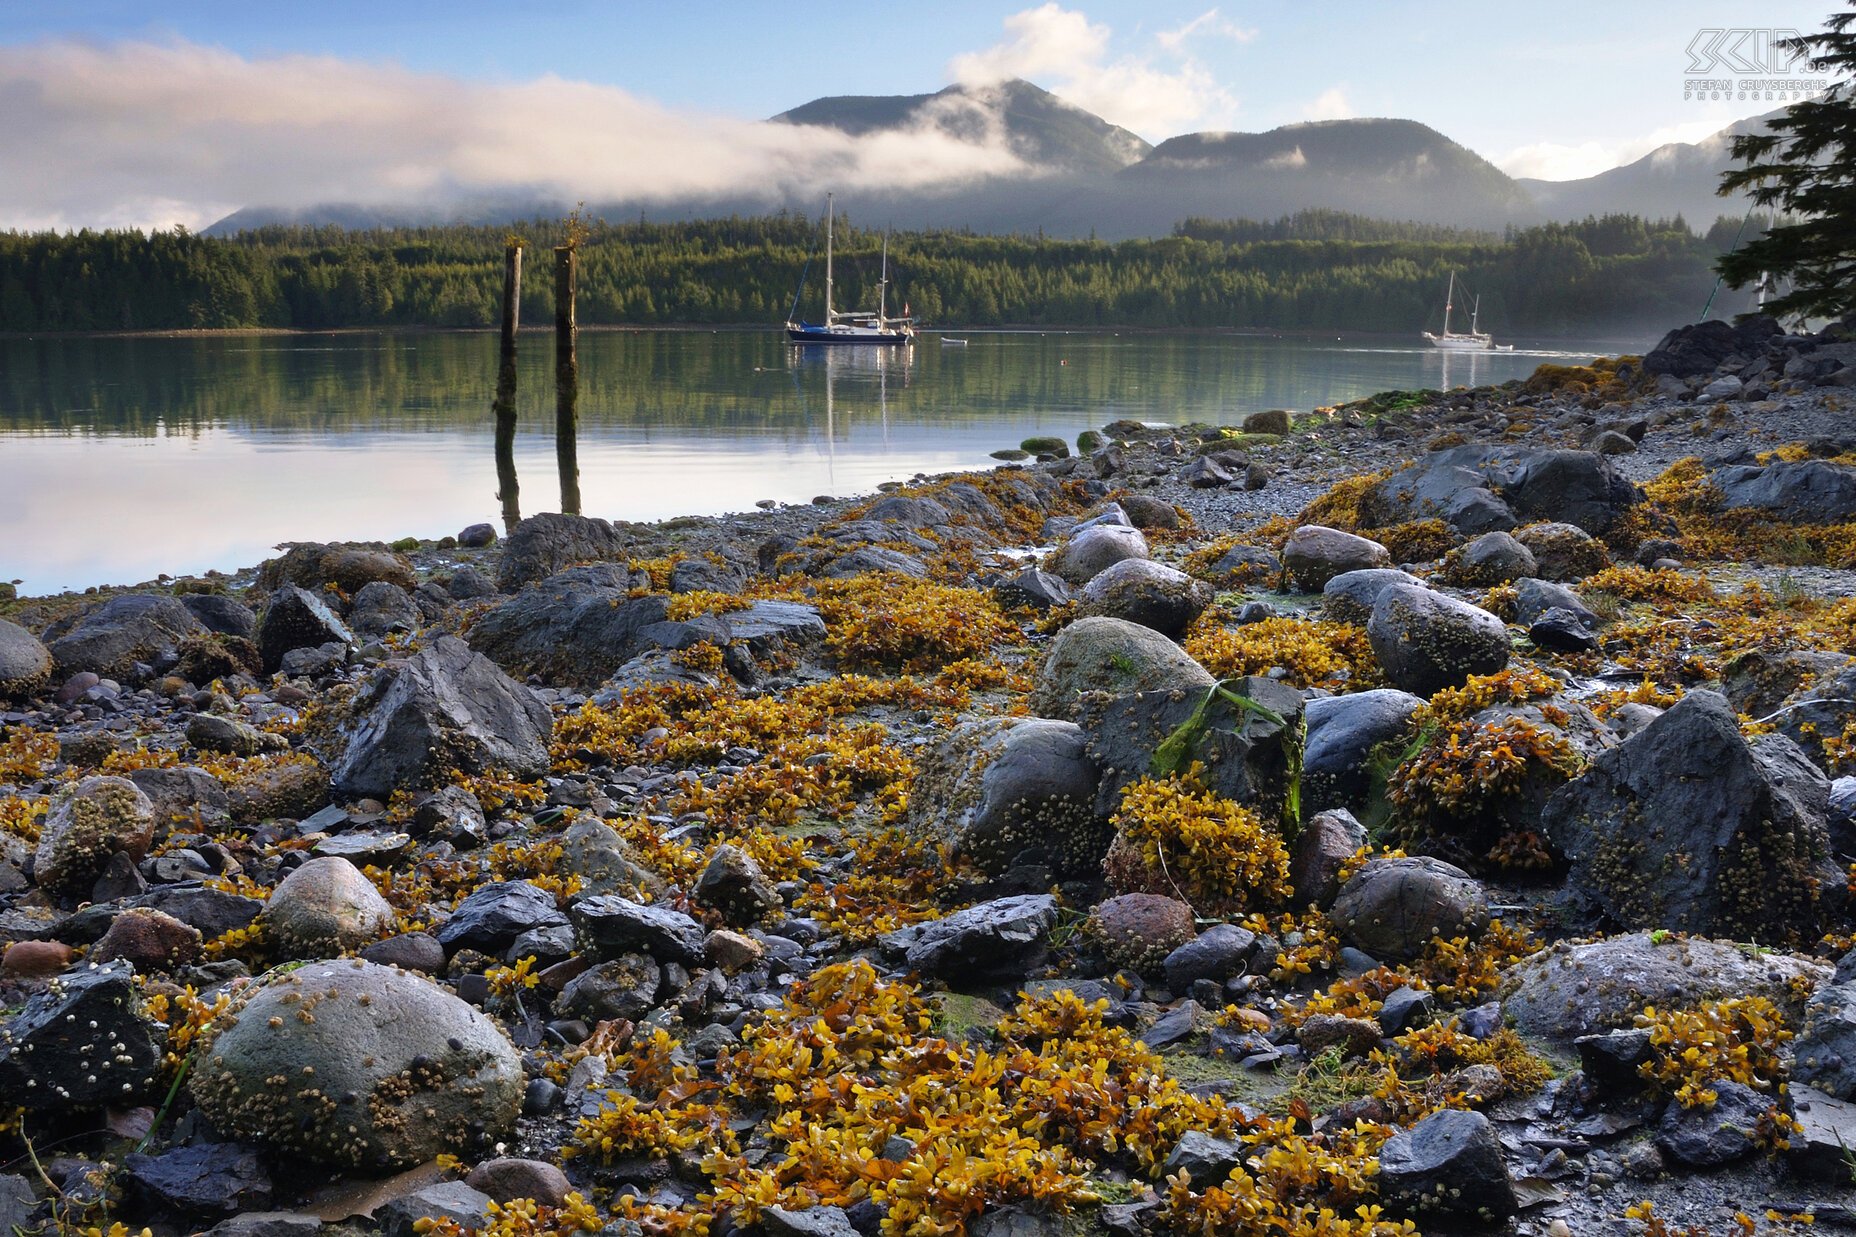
[(829, 220), (1475, 315), (882, 286), (1449, 296)]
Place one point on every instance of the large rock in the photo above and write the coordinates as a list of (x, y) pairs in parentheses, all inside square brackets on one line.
[(544, 544), (1824, 1054), (1492, 558), (1003, 938), (1315, 554), (1801, 492), (25, 664), (1571, 990), (1690, 351), (1114, 656), (1342, 733), (1006, 789), (86, 824), (1245, 734), (1427, 641), (379, 1069), (1720, 1133), (81, 1042), (296, 618), (136, 627), (222, 615), (1095, 549), (1687, 825), (1562, 551), (447, 708), (312, 565), (494, 915), (1350, 596), (382, 609), (575, 628), (324, 908), (1327, 842), (613, 926), (1391, 908), (1480, 488), (1533, 598), (204, 1179), (1149, 593), (1448, 1167)]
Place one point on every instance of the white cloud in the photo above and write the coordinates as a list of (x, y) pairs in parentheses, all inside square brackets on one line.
[(1330, 104), (1063, 51), (1210, 22), (141, 134), (1555, 161)]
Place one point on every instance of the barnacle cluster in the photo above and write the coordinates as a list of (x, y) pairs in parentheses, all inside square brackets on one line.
[(1175, 837)]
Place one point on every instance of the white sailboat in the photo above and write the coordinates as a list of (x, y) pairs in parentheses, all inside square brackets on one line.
[(1460, 341), (851, 327)]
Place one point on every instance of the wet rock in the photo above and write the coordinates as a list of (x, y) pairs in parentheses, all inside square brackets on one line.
[(625, 987), (1611, 442), (506, 1179), (204, 1179), (1010, 790), (81, 1042), (85, 825), (1093, 550), (1447, 1167), (1534, 597), (295, 618), (1563, 551), (1139, 931), (1562, 631), (1820, 1146), (1493, 558), (1480, 488), (1760, 680), (734, 885), (205, 658), (1243, 563), (448, 707), (324, 908), (110, 640), (1032, 589), (1687, 825), (468, 584), (704, 575), (1145, 511), (477, 536), (820, 1221), (1205, 1159), (494, 915), (1572, 990), (382, 609), (25, 664), (410, 951), (1114, 656), (1322, 848), (1315, 554), (386, 1070), (1149, 593), (1824, 1054), (1342, 733), (149, 940), (1689, 351), (1725, 1131), (222, 615), (209, 732), (575, 628), (1804, 492), (1391, 908), (312, 565), (293, 789), (613, 925), (544, 544), (1206, 473), (1350, 596), (456, 1201), (592, 851), (36, 959), (1005, 937), (1321, 1034), (1426, 641), (1822, 711)]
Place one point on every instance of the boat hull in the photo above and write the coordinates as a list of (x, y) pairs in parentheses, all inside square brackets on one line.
[(819, 335), (1461, 343)]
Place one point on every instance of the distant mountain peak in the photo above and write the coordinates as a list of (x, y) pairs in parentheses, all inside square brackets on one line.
[(1042, 129)]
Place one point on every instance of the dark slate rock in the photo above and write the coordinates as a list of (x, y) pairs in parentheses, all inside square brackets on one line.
[(1561, 630), (1727, 1130), (1611, 1059), (1823, 710), (448, 1200), (447, 707), (1350, 596), (1037, 590), (1820, 1147), (625, 987), (544, 544), (811, 1222), (1406, 1008), (296, 618), (1217, 953), (1205, 1159), (1479, 488), (1824, 1054), (1533, 598), (612, 925), (496, 914), (203, 1179), (80, 1043), (1447, 1167), (1243, 563), (734, 885), (1801, 492), (1686, 825), (111, 639), (382, 609), (1689, 351), (575, 628), (477, 536), (1342, 732), (1005, 937), (222, 614)]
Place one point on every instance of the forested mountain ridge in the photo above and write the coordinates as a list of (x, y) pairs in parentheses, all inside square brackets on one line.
[(1313, 270)]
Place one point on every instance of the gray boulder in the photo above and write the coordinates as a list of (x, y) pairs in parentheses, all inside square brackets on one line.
[(1241, 564), (383, 609), (1824, 1054), (1003, 938), (576, 628), (625, 987), (544, 544), (1427, 641), (385, 1069), (1032, 589), (1533, 598), (734, 885), (1315, 554), (296, 618), (1091, 551), (494, 915), (1563, 551), (1801, 492), (350, 568), (1690, 351), (85, 825), (1687, 825), (1110, 655), (1326, 842), (25, 664), (612, 926), (1823, 711), (1570, 990), (1350, 596), (448, 707), (1478, 488), (324, 908), (1342, 733), (222, 615), (1391, 908), (1149, 593), (1448, 1167), (111, 639), (1493, 558), (1010, 788), (1724, 1131)]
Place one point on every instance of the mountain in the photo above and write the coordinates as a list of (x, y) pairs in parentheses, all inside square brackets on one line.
[(1040, 128), (1678, 178)]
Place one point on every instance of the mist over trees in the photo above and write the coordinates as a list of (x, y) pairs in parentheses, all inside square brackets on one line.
[(1312, 270)]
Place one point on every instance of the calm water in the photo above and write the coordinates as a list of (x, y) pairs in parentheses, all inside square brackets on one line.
[(124, 458)]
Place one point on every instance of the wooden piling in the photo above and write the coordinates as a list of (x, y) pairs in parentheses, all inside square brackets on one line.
[(566, 380), (504, 405)]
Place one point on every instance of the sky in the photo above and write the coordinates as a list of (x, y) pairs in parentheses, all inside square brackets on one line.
[(142, 115)]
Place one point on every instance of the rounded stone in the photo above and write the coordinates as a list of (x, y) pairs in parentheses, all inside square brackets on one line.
[(1563, 551), (1427, 641), (25, 664), (1110, 655), (324, 908), (1139, 930), (1391, 908), (1149, 593), (1093, 550), (150, 940), (88, 823), (358, 1065), (1493, 558), (1315, 554)]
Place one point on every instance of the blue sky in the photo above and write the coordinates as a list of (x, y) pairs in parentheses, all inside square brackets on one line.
[(1557, 90)]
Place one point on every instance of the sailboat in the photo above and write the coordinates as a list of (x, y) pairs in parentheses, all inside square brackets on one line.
[(850, 327), (1459, 341)]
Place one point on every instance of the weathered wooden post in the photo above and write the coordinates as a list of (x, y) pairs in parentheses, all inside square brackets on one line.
[(566, 375), (504, 405)]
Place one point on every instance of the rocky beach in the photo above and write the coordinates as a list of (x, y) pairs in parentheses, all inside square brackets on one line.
[(1433, 813)]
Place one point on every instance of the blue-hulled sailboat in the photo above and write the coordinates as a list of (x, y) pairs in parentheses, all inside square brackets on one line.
[(851, 327)]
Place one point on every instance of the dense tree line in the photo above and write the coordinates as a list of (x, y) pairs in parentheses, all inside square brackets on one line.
[(1314, 270)]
